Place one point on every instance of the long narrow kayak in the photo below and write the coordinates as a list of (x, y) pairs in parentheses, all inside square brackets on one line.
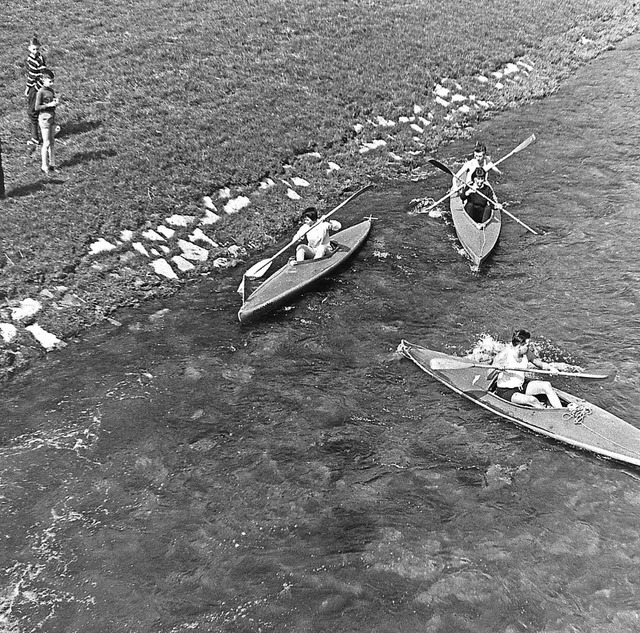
[(292, 280), (477, 242), (579, 423)]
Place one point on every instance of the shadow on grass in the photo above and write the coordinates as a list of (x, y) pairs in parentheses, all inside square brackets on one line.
[(87, 157), (77, 127), (25, 190)]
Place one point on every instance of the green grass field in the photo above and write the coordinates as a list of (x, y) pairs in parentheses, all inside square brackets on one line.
[(164, 102)]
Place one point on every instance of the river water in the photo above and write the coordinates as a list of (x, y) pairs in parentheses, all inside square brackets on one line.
[(185, 473)]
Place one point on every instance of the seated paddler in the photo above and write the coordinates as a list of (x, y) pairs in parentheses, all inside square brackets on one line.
[(317, 235), (479, 198), (512, 384)]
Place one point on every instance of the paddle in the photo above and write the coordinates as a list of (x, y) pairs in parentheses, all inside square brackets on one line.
[(435, 204), (443, 167), (259, 269), (454, 363), (520, 147)]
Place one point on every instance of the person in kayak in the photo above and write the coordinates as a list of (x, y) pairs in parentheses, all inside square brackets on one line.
[(480, 159), (512, 385), (479, 198), (318, 239)]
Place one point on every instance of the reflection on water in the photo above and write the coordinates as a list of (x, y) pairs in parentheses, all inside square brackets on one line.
[(184, 472)]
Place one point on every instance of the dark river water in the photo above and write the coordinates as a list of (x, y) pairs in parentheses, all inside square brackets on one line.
[(185, 473)]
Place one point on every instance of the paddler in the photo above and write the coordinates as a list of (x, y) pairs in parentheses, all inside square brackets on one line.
[(512, 385), (480, 159), (318, 238), (479, 198)]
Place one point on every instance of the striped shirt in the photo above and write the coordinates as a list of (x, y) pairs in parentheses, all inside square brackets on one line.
[(35, 65)]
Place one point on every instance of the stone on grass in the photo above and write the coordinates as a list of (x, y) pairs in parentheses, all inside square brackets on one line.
[(333, 166), (221, 262), (180, 220), (292, 194), (140, 248), (162, 267), (300, 182), (126, 235), (27, 308), (442, 102), (199, 235), (267, 183), (235, 205), (152, 236), (441, 91), (166, 231), (192, 251), (208, 203), (101, 246), (209, 217), (46, 339), (416, 128), (182, 263), (8, 331)]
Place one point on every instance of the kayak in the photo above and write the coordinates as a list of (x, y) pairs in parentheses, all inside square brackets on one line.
[(579, 423), (477, 242), (292, 280)]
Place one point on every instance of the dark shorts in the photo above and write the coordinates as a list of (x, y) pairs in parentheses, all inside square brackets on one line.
[(507, 393)]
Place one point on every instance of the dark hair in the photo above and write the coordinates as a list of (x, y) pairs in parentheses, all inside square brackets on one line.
[(34, 41), (479, 173), (46, 72), (480, 147), (520, 336), (309, 212)]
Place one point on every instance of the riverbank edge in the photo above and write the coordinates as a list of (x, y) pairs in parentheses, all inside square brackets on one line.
[(372, 150)]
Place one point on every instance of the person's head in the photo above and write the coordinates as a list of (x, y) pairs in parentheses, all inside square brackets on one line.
[(479, 151), (478, 176), (34, 45), (309, 215), (521, 339), (47, 77)]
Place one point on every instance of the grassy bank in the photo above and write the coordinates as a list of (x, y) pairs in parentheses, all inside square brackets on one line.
[(164, 102)]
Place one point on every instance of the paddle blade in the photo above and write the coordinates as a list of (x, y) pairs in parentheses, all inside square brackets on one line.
[(436, 163), (259, 269), (449, 363)]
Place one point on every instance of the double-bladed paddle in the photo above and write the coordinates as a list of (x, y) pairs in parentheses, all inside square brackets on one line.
[(454, 363), (260, 268), (443, 167)]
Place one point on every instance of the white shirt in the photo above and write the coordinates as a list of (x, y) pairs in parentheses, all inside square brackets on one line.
[(318, 237), (508, 357)]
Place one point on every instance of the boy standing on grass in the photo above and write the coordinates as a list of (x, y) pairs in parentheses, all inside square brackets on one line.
[(2, 192), (35, 65), (45, 105)]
